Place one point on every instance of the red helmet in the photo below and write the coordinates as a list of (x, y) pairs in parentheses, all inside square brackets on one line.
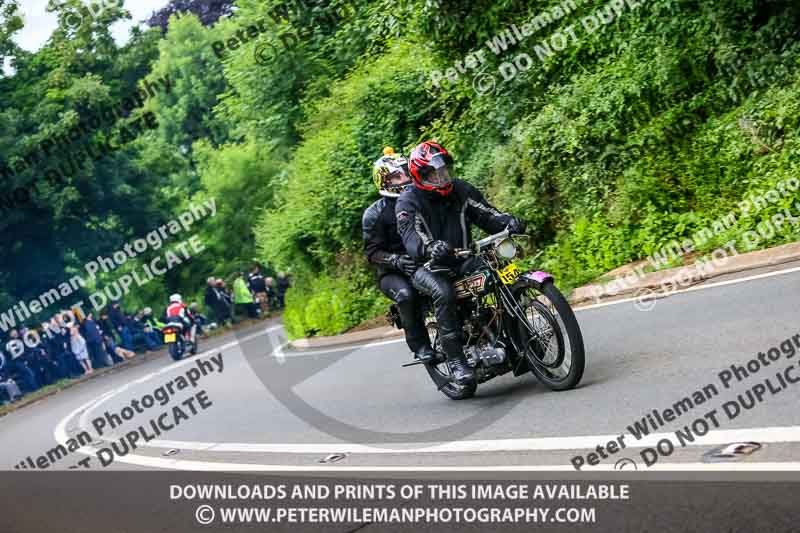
[(430, 164)]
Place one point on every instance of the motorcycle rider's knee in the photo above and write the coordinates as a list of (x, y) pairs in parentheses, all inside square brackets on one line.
[(406, 295)]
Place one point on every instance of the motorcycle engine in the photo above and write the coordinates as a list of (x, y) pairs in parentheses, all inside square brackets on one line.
[(488, 355), (488, 349)]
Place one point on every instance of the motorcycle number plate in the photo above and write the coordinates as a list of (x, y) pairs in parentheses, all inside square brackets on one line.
[(170, 337), (509, 274)]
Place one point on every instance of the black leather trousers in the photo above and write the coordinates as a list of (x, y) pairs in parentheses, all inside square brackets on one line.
[(397, 287), (439, 286)]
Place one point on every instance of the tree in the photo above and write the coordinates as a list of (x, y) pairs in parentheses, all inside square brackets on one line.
[(207, 11), (10, 23)]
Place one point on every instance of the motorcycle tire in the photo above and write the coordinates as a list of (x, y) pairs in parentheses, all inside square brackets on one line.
[(175, 351), (564, 318)]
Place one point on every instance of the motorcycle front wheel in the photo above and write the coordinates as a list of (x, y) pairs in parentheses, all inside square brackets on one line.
[(551, 341)]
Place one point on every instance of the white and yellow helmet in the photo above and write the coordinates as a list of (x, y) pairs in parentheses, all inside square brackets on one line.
[(390, 173)]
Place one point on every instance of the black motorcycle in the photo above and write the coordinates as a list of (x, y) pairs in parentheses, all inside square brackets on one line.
[(513, 322), (180, 338)]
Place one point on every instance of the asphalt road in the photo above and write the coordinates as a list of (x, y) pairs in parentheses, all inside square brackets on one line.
[(271, 408)]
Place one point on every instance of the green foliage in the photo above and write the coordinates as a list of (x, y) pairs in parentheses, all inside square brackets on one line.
[(631, 137), (327, 184), (324, 305)]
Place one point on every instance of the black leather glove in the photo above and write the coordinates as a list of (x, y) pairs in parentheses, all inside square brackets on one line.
[(406, 265), (517, 226), (438, 250)]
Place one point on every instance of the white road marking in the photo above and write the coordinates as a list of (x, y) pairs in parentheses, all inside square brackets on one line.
[(589, 442), (695, 288), (207, 466)]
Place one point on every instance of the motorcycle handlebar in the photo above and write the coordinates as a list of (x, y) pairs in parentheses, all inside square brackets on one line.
[(477, 246)]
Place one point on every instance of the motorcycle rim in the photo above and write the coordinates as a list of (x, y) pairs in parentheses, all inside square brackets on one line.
[(560, 370)]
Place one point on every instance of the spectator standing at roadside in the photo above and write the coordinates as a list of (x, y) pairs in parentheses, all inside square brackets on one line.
[(215, 303), (94, 343), (283, 286), (243, 298), (272, 296), (105, 324), (40, 361), (120, 323), (258, 285), (50, 343), (78, 345), (61, 336), (226, 300)]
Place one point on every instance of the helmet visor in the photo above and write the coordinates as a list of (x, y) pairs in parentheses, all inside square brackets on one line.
[(437, 173), (398, 178)]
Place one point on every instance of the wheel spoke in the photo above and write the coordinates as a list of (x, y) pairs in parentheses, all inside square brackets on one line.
[(551, 353)]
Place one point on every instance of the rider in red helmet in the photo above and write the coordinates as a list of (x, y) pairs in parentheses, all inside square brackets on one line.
[(430, 165), (434, 217)]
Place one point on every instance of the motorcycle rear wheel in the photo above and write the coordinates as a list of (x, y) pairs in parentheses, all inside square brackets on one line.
[(175, 352), (559, 365)]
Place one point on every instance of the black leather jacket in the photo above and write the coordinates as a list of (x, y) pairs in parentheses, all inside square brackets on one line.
[(424, 216), (381, 240)]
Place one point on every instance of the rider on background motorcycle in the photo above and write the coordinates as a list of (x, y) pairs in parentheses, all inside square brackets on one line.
[(384, 249), (179, 311), (434, 217)]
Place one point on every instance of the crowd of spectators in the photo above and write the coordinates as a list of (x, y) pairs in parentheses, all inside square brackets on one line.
[(69, 346), (253, 295), (72, 346)]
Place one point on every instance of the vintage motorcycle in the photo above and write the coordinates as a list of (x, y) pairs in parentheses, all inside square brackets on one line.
[(179, 338), (513, 322)]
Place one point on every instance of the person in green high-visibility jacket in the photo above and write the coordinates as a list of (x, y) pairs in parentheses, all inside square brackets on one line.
[(242, 297)]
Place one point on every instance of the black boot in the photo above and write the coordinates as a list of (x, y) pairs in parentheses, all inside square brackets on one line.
[(453, 348)]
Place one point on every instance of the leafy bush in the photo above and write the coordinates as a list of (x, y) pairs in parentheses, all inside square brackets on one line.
[(329, 305)]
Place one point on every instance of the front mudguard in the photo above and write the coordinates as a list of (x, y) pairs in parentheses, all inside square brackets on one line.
[(535, 279), (532, 278)]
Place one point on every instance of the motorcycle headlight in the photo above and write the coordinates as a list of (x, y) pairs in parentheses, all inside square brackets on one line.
[(506, 249)]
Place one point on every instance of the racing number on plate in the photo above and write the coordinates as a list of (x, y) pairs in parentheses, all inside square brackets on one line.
[(509, 274)]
